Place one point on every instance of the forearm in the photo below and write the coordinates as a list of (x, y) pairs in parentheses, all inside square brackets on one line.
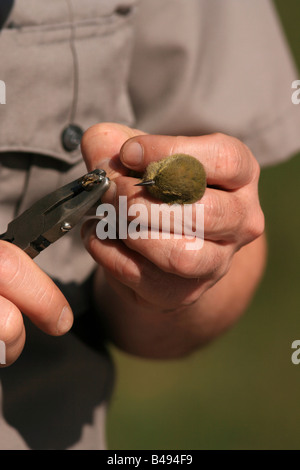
[(155, 334)]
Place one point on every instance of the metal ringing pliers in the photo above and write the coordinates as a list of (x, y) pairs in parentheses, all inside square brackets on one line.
[(56, 214)]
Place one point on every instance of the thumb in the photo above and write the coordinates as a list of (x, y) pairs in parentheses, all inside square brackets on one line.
[(101, 144)]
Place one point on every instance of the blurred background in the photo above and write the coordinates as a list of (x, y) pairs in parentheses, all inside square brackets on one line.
[(243, 391)]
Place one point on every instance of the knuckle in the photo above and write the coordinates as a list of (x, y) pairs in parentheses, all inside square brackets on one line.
[(232, 160), (215, 266), (254, 167), (255, 226), (256, 170), (259, 225), (217, 263), (189, 264), (126, 270), (230, 151), (234, 157), (183, 262), (222, 212)]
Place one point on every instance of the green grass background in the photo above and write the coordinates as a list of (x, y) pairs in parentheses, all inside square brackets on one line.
[(242, 392)]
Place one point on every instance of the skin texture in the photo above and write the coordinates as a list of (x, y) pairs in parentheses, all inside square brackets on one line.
[(160, 300), (25, 288), (177, 179)]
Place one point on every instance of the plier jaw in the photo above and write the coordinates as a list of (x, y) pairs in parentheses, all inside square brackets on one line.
[(56, 214)]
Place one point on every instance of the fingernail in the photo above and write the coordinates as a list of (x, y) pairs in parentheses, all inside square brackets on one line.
[(132, 154), (65, 321)]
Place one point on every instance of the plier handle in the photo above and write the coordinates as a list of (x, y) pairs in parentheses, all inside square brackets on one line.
[(56, 214)]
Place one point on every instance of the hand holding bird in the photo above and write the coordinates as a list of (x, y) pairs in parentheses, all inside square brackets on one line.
[(153, 276)]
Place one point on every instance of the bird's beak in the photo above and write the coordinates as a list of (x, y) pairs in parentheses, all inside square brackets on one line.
[(146, 183)]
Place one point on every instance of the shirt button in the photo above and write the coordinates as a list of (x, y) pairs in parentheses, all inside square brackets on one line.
[(123, 10), (71, 137)]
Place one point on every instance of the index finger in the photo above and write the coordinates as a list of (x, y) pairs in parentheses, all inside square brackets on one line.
[(25, 285), (228, 163)]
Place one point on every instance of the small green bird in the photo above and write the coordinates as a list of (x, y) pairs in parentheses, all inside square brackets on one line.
[(177, 179)]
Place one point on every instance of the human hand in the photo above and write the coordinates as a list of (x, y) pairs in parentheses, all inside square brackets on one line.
[(26, 289), (162, 273)]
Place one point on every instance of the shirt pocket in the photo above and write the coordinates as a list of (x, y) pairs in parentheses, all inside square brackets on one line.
[(64, 64)]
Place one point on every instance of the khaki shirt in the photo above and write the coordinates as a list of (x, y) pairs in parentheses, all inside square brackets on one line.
[(165, 66)]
